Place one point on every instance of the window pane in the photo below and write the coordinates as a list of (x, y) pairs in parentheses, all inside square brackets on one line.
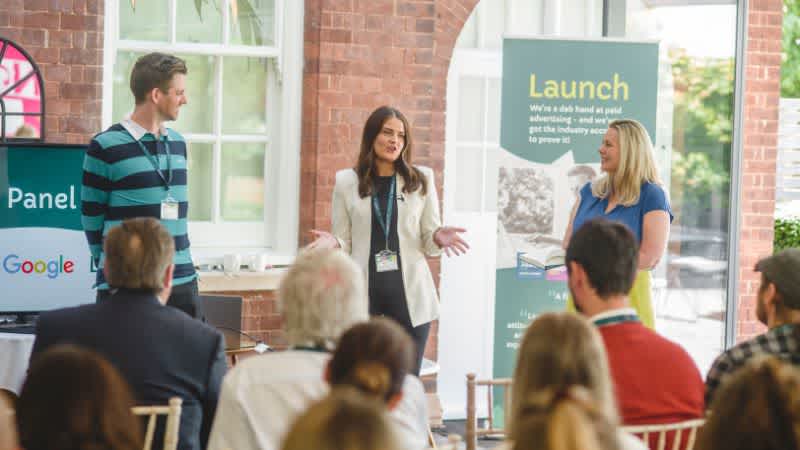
[(200, 163), (199, 21), (696, 101), (242, 196), (148, 22), (470, 109), (493, 113), (197, 115), (254, 23), (494, 24), (122, 103), (469, 168), (468, 38), (490, 180), (244, 105)]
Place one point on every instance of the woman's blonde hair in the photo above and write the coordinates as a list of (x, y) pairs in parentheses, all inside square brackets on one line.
[(345, 420), (758, 408), (636, 164), (565, 419), (559, 353)]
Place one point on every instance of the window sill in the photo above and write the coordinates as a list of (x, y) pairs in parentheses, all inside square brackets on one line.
[(218, 281)]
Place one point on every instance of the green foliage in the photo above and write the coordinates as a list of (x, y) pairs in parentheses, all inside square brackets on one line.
[(790, 66), (702, 124), (787, 233)]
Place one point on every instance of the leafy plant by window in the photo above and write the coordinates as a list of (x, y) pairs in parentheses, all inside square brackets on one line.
[(243, 14), (790, 75), (787, 233)]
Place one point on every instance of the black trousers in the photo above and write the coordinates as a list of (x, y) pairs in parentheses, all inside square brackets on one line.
[(184, 297), (395, 307)]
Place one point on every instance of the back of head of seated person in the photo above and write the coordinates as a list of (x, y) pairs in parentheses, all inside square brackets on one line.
[(563, 419), (757, 408), (373, 357), (344, 420), (138, 256), (561, 354), (73, 399), (8, 429), (321, 296)]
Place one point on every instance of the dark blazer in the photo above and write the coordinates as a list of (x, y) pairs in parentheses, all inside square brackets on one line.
[(161, 352)]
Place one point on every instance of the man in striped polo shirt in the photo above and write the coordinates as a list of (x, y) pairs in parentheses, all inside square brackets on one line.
[(137, 168)]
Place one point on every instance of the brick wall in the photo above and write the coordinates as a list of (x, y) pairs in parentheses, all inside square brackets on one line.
[(65, 38), (361, 54), (761, 95)]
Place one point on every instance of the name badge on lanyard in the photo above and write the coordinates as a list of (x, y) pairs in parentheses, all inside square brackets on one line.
[(385, 260), (169, 206)]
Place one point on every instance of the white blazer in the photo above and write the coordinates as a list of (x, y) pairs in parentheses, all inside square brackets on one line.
[(417, 219)]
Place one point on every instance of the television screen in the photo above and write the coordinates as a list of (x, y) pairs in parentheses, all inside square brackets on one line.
[(44, 257)]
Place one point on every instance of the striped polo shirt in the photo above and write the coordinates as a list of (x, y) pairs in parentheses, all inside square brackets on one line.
[(120, 182)]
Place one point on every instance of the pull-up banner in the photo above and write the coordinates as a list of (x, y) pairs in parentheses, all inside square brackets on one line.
[(45, 261), (558, 97)]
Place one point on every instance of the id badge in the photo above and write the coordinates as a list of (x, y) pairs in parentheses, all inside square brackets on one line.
[(386, 261), (169, 209)]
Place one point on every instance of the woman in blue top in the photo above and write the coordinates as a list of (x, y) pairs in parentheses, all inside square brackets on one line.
[(630, 193)]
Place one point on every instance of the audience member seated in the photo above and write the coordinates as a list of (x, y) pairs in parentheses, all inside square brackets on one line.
[(655, 380), (73, 399), (161, 352), (376, 357), (757, 408), (562, 390), (8, 429), (322, 295), (345, 420), (777, 307)]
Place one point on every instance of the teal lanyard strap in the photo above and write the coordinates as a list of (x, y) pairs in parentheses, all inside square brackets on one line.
[(617, 319), (387, 222), (154, 160)]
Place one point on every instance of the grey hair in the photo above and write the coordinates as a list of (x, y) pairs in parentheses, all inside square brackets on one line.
[(322, 295)]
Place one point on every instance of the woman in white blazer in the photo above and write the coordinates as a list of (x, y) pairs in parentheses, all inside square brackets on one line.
[(386, 216)]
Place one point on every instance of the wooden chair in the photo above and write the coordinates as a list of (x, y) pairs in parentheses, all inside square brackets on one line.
[(472, 431), (173, 413), (452, 442), (661, 430)]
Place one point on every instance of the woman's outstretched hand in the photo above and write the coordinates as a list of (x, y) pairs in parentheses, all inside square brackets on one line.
[(449, 240), (323, 239)]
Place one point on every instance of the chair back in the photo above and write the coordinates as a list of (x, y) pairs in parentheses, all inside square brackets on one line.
[(472, 431), (173, 413), (682, 431)]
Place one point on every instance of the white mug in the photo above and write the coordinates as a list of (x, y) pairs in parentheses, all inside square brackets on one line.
[(232, 263), (257, 262)]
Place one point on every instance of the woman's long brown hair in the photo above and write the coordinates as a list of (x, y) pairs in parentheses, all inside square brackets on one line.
[(365, 167)]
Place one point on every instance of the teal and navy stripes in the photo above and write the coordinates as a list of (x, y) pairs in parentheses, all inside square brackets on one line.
[(120, 182)]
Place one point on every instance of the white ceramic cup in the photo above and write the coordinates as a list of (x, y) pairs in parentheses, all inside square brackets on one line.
[(232, 262)]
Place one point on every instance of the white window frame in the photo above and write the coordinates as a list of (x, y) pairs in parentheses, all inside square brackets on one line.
[(277, 234)]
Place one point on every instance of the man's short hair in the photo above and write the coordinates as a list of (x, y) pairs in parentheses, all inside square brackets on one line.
[(138, 253), (322, 295), (609, 254), (154, 70), (582, 170), (781, 269)]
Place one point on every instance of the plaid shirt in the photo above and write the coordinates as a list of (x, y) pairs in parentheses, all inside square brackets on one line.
[(779, 341)]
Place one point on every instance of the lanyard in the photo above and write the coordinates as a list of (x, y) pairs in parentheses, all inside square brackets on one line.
[(387, 222), (617, 319), (155, 162)]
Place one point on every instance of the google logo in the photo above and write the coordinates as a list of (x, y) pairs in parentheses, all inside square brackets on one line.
[(12, 264)]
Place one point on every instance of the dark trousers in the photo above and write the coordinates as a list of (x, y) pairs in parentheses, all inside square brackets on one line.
[(396, 308), (183, 296)]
